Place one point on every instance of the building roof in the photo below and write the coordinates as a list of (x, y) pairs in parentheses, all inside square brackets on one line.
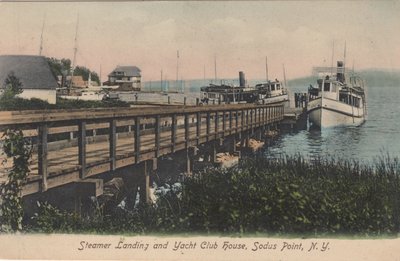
[(131, 71), (33, 71)]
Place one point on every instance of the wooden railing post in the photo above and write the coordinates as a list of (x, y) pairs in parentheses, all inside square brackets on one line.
[(264, 116), (208, 123), (137, 139), (223, 123), (247, 119), (82, 148), (236, 121), (42, 155), (216, 121), (253, 119), (173, 131), (242, 121), (157, 136), (113, 143), (198, 127), (187, 130), (230, 122)]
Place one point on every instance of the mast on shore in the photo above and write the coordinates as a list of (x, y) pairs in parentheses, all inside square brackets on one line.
[(75, 51), (177, 69), (215, 67), (41, 37)]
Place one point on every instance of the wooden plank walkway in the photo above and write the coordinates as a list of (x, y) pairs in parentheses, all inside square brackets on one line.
[(74, 145)]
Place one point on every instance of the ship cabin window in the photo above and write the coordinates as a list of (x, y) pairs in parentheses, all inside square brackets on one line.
[(356, 102), (327, 86), (344, 97), (278, 86), (272, 87), (212, 95), (319, 82)]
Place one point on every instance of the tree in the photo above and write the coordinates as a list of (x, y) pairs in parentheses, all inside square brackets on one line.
[(84, 72), (63, 67), (12, 85), (59, 67)]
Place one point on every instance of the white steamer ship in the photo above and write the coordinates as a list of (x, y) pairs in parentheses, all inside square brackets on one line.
[(336, 100)]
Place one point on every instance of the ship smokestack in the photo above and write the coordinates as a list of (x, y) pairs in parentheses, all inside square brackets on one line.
[(340, 72), (242, 80)]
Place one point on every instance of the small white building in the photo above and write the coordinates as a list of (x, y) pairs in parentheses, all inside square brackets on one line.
[(33, 72)]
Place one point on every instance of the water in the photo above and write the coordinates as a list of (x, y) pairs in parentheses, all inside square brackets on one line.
[(379, 135)]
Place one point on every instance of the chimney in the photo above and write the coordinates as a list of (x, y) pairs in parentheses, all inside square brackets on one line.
[(340, 72), (242, 81)]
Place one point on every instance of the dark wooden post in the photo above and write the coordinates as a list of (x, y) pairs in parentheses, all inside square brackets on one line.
[(157, 135), (42, 155), (216, 121), (242, 121), (236, 121), (145, 181), (230, 122), (208, 123), (113, 143), (198, 127), (173, 132), (187, 130), (223, 123), (264, 116), (253, 119), (82, 148), (137, 139), (247, 119)]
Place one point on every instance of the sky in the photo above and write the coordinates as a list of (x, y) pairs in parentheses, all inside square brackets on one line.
[(237, 35)]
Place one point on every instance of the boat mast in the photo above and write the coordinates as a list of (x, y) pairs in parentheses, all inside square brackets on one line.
[(41, 37), (215, 67), (284, 74), (333, 50), (177, 69), (161, 83), (266, 68), (75, 50), (344, 60), (204, 74), (101, 82)]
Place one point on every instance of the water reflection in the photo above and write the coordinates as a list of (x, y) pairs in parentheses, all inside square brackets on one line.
[(379, 134)]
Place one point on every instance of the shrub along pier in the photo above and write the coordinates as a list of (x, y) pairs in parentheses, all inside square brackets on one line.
[(75, 150)]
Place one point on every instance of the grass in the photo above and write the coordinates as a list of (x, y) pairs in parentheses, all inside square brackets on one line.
[(286, 196)]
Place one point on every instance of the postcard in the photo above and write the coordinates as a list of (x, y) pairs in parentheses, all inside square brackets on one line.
[(199, 130)]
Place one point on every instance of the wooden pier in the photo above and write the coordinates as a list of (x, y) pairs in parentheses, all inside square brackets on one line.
[(75, 146)]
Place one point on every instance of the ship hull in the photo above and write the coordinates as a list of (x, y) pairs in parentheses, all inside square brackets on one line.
[(325, 113)]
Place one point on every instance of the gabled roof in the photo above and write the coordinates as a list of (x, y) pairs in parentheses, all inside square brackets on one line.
[(131, 71), (33, 71)]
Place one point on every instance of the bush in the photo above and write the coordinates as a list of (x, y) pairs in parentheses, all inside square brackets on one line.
[(11, 103), (274, 196)]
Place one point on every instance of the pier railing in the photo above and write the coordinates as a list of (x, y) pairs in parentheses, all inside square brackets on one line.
[(72, 145)]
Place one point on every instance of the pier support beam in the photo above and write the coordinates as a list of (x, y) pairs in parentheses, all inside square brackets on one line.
[(83, 190), (137, 181), (190, 153), (144, 182)]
